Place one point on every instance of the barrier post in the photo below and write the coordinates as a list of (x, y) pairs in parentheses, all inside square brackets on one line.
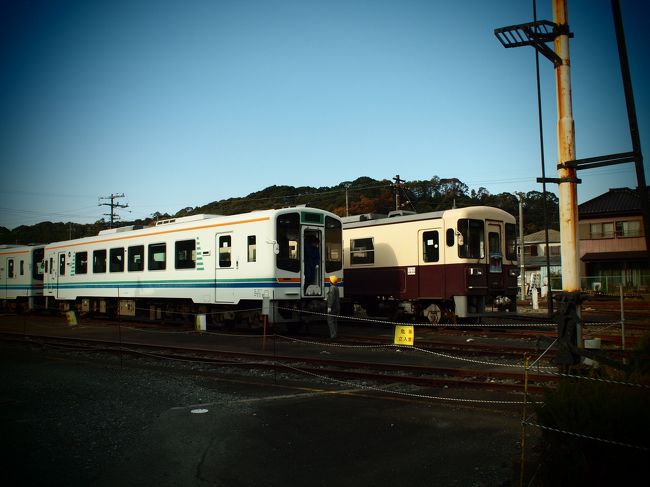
[(523, 424)]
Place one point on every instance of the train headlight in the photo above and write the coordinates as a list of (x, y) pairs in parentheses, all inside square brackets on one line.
[(513, 272), (475, 271)]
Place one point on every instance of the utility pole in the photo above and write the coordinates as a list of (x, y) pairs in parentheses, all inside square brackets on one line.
[(113, 205), (568, 187), (398, 186), (522, 267)]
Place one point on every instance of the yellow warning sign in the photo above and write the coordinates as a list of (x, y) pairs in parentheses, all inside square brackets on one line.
[(404, 335)]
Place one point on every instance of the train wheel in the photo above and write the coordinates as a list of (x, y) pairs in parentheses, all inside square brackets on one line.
[(433, 313)]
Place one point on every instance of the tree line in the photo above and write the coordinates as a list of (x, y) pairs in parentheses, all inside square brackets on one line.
[(363, 195)]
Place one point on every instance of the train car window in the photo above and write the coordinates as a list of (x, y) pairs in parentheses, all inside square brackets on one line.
[(46, 267), (136, 258), (225, 251), (431, 246), (22, 267), (10, 268), (52, 265), (99, 261), (333, 245), (511, 241), (39, 264), (288, 239), (450, 237), (472, 233), (157, 257), (62, 264), (81, 262), (252, 248), (362, 251), (116, 260), (185, 254)]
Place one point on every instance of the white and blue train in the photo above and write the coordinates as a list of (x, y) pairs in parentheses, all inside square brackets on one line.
[(21, 275), (211, 264)]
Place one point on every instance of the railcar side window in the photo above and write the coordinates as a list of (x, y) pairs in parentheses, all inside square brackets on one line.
[(116, 259), (99, 261), (362, 251), (81, 262), (136, 258), (450, 237), (431, 246), (225, 251), (471, 242), (185, 254), (62, 264), (333, 241), (10, 268), (22, 267), (252, 248), (288, 239), (511, 241), (157, 257)]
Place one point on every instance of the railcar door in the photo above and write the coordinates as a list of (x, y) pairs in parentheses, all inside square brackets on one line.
[(225, 268), (431, 276), (495, 255), (312, 262)]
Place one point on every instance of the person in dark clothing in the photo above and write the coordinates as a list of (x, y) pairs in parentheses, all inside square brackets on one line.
[(333, 307)]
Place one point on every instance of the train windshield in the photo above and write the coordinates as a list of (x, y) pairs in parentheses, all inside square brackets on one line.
[(288, 239), (333, 240), (471, 243)]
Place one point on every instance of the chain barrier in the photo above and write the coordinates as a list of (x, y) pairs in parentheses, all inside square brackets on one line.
[(587, 437)]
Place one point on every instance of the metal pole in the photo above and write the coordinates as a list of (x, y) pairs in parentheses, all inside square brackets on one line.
[(522, 271), (566, 152), (632, 120), (622, 319)]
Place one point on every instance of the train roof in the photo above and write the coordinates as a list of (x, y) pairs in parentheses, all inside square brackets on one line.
[(372, 219)]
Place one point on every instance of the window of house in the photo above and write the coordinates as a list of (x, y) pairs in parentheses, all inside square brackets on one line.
[(136, 258), (157, 257), (601, 230), (431, 246), (116, 260), (99, 261), (362, 251), (628, 229), (81, 262), (185, 254)]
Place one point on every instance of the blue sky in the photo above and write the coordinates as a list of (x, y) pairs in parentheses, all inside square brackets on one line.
[(180, 103)]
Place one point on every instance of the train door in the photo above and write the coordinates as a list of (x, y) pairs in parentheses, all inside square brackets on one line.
[(495, 255), (225, 268), (312, 262), (430, 271)]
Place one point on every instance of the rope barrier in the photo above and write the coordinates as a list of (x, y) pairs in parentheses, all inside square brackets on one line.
[(587, 437)]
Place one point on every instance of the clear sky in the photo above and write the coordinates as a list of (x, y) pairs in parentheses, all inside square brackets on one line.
[(181, 103)]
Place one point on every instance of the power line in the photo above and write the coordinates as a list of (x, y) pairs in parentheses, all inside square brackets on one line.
[(113, 205)]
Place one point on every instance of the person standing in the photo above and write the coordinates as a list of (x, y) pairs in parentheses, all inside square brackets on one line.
[(333, 307)]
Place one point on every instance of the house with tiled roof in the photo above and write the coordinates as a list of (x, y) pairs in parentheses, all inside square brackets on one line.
[(534, 260), (612, 242)]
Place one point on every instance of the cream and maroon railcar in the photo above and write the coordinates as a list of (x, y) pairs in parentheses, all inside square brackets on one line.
[(438, 265), (21, 275), (201, 264)]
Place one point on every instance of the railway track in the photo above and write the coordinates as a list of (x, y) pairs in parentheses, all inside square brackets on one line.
[(325, 368)]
